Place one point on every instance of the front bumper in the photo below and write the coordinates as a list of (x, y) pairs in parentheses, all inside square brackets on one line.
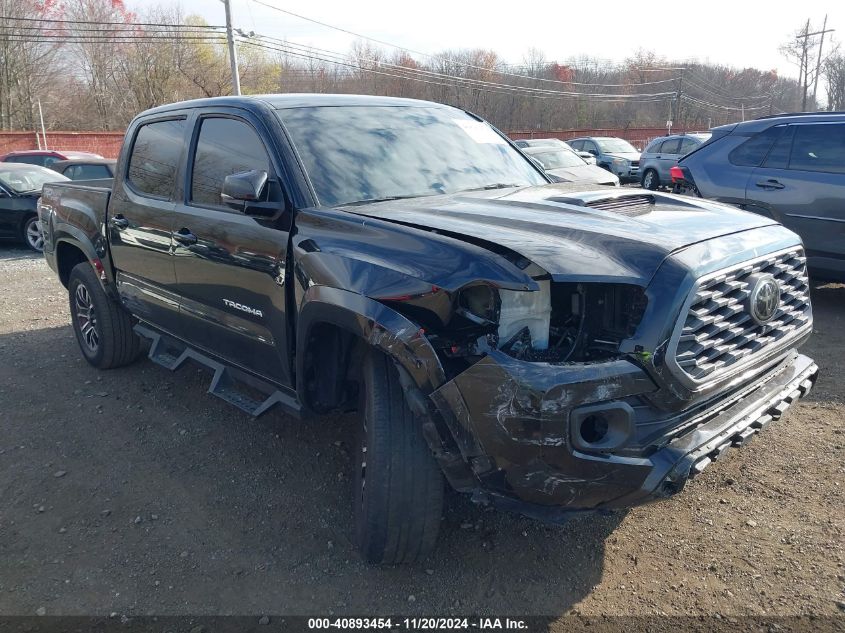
[(511, 421)]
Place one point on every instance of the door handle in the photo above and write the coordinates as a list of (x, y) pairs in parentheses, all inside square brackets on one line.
[(185, 237), (770, 184), (119, 222)]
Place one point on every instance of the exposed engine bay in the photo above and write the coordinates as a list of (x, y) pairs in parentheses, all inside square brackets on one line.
[(558, 323)]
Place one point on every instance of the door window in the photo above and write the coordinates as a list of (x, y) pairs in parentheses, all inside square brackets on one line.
[(778, 157), (819, 147), (224, 147), (671, 146), (155, 157)]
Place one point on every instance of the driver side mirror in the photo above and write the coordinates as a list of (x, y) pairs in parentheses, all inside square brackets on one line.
[(245, 186), (594, 152)]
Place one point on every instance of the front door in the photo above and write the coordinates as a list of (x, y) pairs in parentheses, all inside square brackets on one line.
[(140, 222), (230, 266)]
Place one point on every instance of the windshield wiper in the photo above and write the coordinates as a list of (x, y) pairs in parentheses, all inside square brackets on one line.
[(494, 185), (387, 198)]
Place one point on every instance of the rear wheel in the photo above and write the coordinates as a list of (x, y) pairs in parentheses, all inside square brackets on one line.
[(103, 328), (398, 485), (650, 180), (32, 235)]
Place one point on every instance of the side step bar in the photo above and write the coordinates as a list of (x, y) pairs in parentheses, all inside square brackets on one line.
[(227, 383)]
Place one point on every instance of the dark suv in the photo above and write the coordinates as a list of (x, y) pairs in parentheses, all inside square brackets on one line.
[(788, 167)]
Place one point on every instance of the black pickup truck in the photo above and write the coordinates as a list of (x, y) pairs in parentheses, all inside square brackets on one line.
[(549, 349)]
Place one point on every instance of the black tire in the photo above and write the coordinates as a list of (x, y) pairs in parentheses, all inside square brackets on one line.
[(650, 180), (103, 328), (31, 234), (398, 485)]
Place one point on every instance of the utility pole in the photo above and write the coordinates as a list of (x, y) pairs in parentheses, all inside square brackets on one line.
[(678, 94), (805, 61), (819, 60), (233, 54), (43, 131)]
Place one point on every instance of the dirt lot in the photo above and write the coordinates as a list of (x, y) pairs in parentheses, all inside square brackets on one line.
[(133, 491)]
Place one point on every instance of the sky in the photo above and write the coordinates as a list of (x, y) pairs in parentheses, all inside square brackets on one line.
[(741, 33)]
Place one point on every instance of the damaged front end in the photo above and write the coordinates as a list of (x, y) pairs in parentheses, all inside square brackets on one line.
[(559, 400)]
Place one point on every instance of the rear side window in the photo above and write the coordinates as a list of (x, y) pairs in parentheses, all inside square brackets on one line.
[(671, 146), (155, 157), (91, 172), (224, 147), (819, 148), (754, 150), (576, 145)]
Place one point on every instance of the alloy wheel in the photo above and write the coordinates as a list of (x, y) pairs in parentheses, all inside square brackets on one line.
[(86, 317), (34, 235)]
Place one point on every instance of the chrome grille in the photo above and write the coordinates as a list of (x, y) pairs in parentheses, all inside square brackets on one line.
[(718, 330)]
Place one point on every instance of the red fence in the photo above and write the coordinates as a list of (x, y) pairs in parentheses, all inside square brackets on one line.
[(104, 143), (108, 143)]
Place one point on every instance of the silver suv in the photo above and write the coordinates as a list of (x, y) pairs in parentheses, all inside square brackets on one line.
[(663, 153), (616, 155)]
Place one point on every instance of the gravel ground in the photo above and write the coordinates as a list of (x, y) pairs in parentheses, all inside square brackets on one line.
[(133, 491)]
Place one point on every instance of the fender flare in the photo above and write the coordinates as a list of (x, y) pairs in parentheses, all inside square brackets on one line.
[(74, 237), (377, 325)]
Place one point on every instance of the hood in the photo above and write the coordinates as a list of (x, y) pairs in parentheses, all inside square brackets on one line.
[(625, 155), (584, 173), (555, 227)]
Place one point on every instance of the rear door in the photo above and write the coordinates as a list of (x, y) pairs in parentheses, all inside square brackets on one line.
[(667, 157), (802, 185), (140, 220), (230, 266)]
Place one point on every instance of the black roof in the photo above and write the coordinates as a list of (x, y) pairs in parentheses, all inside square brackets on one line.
[(798, 114), (297, 100)]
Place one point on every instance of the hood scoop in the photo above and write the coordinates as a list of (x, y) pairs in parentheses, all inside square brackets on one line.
[(630, 205)]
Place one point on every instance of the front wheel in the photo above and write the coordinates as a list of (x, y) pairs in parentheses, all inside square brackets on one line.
[(103, 328), (651, 180), (32, 235), (398, 485)]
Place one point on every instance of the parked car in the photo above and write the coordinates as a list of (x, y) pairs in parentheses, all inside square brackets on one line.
[(20, 186), (85, 168), (790, 168), (549, 348), (663, 153), (564, 165), (44, 157), (555, 142), (616, 155)]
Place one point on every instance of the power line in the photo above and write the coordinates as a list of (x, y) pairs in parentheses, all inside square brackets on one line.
[(454, 61), (456, 78), (57, 21), (304, 55)]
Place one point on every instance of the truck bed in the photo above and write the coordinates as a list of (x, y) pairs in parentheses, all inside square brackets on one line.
[(75, 210)]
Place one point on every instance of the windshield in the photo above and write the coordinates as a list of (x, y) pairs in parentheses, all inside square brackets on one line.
[(558, 158), (26, 179), (359, 153), (616, 146)]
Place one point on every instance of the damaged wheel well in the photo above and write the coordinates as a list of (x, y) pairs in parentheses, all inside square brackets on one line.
[(330, 377)]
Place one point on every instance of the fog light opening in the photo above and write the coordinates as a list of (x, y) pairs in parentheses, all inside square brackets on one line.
[(594, 429)]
